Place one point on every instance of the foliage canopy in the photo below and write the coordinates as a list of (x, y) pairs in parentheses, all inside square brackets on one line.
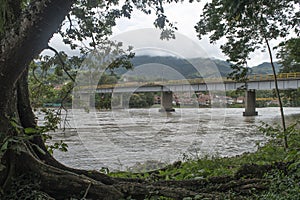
[(246, 25)]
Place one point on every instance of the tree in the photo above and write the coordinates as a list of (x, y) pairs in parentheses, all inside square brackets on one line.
[(248, 26), (48, 83), (24, 34), (141, 100), (26, 26), (289, 58), (289, 55)]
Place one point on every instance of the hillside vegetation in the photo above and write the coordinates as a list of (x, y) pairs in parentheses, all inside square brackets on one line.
[(187, 70)]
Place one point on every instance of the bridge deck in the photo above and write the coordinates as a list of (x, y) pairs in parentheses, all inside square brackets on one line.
[(255, 82)]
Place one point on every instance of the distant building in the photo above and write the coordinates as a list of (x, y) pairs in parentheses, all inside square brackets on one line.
[(240, 99), (273, 102), (229, 100), (204, 99)]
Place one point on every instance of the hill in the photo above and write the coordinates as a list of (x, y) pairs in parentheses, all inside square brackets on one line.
[(265, 68), (177, 68)]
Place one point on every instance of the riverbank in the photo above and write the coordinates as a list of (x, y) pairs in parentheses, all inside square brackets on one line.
[(269, 173)]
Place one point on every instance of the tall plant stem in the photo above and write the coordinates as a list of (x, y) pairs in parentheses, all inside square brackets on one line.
[(277, 94)]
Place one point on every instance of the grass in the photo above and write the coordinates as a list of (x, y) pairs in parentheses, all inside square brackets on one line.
[(209, 166)]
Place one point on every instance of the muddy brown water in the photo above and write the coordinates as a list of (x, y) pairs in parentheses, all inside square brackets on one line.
[(119, 139)]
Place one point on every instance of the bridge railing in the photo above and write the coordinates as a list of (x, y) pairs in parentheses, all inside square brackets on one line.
[(258, 77), (262, 77)]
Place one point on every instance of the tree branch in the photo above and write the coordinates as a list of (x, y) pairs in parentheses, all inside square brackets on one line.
[(62, 62), (37, 25), (277, 94)]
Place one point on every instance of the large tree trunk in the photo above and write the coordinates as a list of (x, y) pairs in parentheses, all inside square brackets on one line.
[(22, 41)]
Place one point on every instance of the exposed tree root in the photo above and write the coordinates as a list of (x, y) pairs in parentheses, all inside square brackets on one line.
[(216, 185), (63, 184)]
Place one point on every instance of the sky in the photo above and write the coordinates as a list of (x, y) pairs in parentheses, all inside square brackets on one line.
[(186, 15)]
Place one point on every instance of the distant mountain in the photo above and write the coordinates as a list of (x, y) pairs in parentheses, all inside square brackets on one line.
[(155, 65), (176, 68), (265, 68)]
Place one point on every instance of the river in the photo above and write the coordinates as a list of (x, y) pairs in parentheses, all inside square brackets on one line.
[(119, 139)]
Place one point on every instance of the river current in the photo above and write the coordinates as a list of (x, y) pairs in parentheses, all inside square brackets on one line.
[(120, 139)]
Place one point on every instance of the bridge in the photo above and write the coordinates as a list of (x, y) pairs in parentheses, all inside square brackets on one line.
[(168, 87)]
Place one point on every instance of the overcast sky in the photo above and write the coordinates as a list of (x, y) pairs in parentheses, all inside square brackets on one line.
[(186, 15)]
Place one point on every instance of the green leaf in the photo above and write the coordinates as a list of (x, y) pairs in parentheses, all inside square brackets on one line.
[(15, 124), (5, 145), (31, 131), (294, 166)]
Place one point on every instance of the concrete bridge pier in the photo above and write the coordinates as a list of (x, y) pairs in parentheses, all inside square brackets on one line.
[(85, 101), (250, 102), (118, 101), (166, 102)]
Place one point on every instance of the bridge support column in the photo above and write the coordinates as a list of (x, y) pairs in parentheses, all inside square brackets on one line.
[(117, 101), (250, 103), (85, 100), (166, 102)]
